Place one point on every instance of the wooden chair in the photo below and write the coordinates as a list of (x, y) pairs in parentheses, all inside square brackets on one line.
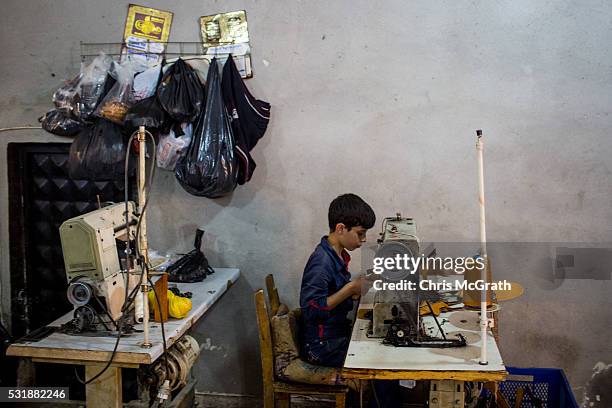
[(276, 391), (273, 298)]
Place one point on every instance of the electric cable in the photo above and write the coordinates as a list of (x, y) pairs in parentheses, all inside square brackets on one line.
[(19, 128), (374, 393), (110, 361)]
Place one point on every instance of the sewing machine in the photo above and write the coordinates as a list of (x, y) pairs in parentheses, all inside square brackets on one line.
[(94, 247), (396, 309), (398, 238)]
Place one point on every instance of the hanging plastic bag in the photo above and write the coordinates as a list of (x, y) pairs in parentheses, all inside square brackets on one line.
[(109, 83), (61, 123), (191, 267), (249, 118), (91, 86), (172, 146), (65, 98), (145, 83), (118, 100), (180, 92), (98, 153), (210, 166), (148, 112)]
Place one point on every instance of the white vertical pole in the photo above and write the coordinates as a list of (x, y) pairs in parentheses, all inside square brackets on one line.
[(142, 238), (483, 250)]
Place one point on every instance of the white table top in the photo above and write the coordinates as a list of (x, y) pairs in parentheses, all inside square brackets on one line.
[(64, 348), (370, 354)]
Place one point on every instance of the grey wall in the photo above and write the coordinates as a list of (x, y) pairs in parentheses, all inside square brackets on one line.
[(381, 99)]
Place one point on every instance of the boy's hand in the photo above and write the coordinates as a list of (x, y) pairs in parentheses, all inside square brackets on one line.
[(360, 285)]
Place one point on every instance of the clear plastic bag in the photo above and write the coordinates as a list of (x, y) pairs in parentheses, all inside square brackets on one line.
[(210, 166), (145, 83), (79, 96), (91, 86), (171, 146), (65, 97), (118, 100)]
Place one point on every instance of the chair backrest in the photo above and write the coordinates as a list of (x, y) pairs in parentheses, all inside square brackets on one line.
[(272, 294), (265, 338)]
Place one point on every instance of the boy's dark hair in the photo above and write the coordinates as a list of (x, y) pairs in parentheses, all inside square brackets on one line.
[(350, 210)]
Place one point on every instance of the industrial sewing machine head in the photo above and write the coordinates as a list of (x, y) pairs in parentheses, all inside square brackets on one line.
[(398, 295), (398, 241), (94, 247)]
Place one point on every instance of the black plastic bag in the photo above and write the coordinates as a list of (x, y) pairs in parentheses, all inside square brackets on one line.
[(60, 123), (180, 92), (109, 83), (210, 167), (98, 153), (191, 267), (147, 112)]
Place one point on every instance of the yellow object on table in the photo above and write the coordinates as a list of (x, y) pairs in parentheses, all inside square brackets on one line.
[(437, 308), (178, 306)]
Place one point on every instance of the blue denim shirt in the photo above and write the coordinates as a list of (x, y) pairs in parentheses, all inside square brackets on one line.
[(325, 274)]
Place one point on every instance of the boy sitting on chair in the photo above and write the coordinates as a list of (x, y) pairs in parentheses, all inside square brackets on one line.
[(327, 288)]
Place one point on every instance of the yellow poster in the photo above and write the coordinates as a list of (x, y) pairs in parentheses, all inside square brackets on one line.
[(148, 23), (146, 33)]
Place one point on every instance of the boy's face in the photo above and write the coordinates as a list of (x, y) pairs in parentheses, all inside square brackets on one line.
[(351, 239)]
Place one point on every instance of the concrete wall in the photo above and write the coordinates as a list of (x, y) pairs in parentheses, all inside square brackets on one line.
[(381, 99)]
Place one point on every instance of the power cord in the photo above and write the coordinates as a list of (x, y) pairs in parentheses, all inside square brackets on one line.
[(19, 128), (374, 393)]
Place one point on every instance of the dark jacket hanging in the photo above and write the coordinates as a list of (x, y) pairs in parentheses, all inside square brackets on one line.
[(249, 118)]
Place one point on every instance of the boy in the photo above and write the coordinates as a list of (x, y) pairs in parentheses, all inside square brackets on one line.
[(325, 296)]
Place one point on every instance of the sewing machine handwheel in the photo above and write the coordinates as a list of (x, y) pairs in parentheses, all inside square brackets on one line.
[(79, 293)]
